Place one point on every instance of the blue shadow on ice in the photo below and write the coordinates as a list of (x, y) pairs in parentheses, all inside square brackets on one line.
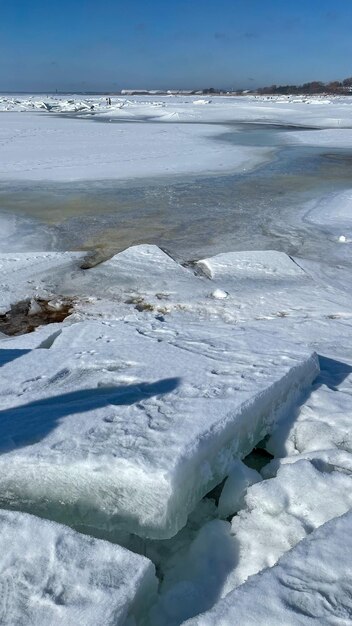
[(29, 423), (6, 356), (332, 373)]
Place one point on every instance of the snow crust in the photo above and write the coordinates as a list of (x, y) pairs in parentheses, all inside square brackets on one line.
[(310, 584), (50, 575)]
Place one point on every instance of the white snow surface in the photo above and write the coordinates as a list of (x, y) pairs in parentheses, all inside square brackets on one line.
[(324, 421), (310, 584), (52, 575)]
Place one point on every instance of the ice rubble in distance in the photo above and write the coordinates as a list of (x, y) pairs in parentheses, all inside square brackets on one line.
[(142, 416), (50, 574)]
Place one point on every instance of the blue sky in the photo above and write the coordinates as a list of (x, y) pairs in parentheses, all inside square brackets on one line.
[(109, 45)]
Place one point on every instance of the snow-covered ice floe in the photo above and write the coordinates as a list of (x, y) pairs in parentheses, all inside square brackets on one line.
[(50, 574), (251, 265), (310, 584)]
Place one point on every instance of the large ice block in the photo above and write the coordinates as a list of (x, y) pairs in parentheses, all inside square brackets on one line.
[(52, 575), (126, 428)]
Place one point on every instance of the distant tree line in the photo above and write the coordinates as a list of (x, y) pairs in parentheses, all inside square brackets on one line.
[(314, 87)]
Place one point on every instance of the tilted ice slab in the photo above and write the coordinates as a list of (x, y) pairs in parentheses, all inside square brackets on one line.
[(260, 284), (309, 585), (126, 429), (32, 274), (50, 574), (251, 265)]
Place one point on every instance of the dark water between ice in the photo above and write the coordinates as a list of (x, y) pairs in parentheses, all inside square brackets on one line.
[(193, 216)]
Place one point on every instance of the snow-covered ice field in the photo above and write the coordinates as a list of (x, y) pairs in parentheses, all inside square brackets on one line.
[(190, 422)]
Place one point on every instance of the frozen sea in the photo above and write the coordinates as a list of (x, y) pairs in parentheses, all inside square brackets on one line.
[(187, 412)]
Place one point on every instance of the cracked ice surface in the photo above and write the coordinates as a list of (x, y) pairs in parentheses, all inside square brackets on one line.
[(50, 574), (310, 584)]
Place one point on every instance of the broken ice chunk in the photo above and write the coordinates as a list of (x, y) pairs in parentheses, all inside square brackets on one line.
[(281, 511), (310, 584), (50, 574), (125, 429)]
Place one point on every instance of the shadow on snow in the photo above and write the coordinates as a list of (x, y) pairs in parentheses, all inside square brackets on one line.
[(29, 423)]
